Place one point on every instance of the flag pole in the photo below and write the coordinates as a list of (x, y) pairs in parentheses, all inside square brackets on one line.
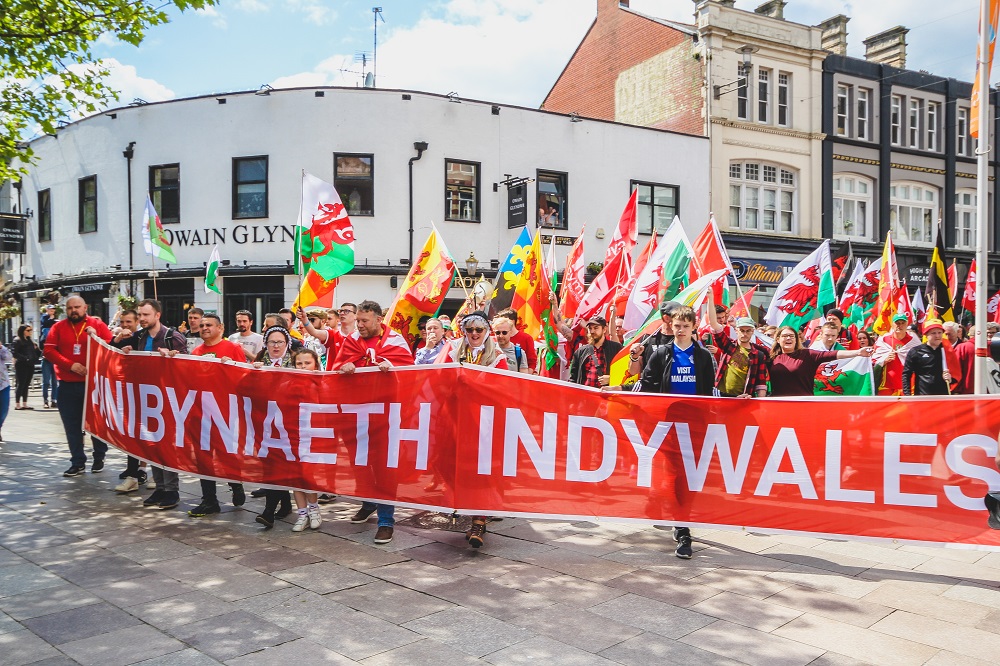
[(982, 193), (299, 267)]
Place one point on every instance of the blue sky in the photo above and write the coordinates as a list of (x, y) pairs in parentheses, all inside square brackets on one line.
[(507, 51)]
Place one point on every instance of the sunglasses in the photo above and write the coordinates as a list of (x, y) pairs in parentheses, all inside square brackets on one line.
[(501, 332), (475, 329), (346, 311)]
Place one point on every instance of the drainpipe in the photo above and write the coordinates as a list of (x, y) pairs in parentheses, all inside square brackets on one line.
[(420, 147)]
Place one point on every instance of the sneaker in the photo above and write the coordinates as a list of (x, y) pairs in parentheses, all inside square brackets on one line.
[(55, 405), (682, 535), (151, 484), (169, 501), (257, 493), (74, 471), (477, 533), (362, 515), (129, 485), (239, 496), (155, 498), (141, 476), (204, 509), (993, 506), (315, 518), (383, 535), (124, 475), (681, 532), (266, 521), (301, 524), (96, 466), (326, 499)]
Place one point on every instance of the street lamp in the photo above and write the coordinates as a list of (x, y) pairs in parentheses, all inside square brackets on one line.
[(745, 52), (472, 264)]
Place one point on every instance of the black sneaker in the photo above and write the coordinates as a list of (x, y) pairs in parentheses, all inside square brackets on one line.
[(363, 515), (74, 471), (239, 496), (682, 535), (96, 466), (155, 498), (169, 500), (260, 492), (326, 499), (141, 478), (204, 509), (681, 532), (266, 521), (993, 506)]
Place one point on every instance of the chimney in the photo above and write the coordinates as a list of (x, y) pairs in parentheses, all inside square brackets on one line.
[(726, 3), (835, 34), (773, 8), (888, 47)]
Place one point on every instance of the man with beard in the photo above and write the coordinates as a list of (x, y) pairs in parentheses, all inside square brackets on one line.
[(245, 337), (591, 363), (66, 349)]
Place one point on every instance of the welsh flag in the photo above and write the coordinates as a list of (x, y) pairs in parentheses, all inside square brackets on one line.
[(531, 302), (424, 289), (695, 294), (848, 376), (661, 277), (860, 293), (903, 304), (212, 272), (920, 310), (324, 240), (888, 284), (154, 241), (804, 292)]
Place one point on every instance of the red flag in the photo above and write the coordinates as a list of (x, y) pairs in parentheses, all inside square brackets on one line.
[(952, 280), (625, 289), (741, 308), (627, 232), (573, 288), (602, 290), (993, 308), (903, 305), (969, 296), (710, 255)]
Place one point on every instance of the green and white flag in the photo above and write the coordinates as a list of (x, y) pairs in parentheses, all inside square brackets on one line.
[(804, 292), (848, 376), (668, 266), (212, 272), (154, 241)]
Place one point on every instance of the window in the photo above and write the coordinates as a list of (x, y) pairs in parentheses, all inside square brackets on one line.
[(933, 112), (249, 187), (88, 204), (743, 92), (852, 205), (461, 191), (916, 107), (354, 178), (911, 212), (657, 205), (895, 120), (552, 199), (965, 219), (761, 197), (784, 79), (863, 115), (843, 109), (44, 215), (764, 96), (165, 191), (963, 132)]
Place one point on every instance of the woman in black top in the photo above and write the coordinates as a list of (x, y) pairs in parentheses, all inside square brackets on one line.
[(25, 354)]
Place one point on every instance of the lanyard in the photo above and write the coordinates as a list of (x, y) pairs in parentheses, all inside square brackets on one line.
[(80, 332)]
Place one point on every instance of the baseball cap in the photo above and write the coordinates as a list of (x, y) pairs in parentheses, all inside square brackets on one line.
[(667, 307), (745, 321), (899, 316), (597, 319), (933, 325)]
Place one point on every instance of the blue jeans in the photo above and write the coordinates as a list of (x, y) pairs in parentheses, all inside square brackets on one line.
[(71, 396), (385, 513), (4, 405), (49, 380)]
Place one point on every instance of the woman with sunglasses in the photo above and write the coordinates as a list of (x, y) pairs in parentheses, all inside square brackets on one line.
[(25, 355), (476, 347), (275, 355)]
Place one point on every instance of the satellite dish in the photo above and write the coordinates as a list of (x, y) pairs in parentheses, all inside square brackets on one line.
[(369, 80)]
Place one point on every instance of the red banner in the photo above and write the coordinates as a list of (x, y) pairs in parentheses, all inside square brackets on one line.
[(506, 444)]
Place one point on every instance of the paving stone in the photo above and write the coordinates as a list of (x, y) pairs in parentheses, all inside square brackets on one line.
[(78, 623), (523, 577), (121, 647), (928, 604), (541, 649), (468, 631), (751, 646), (348, 553), (99, 571), (969, 641), (759, 615), (300, 651), (825, 560), (232, 635), (24, 647), (188, 657), (540, 532), (74, 553), (754, 584), (874, 553), (659, 586), (10, 558), (834, 606), (118, 537), (834, 659), (650, 648), (323, 577), (401, 540), (661, 560), (390, 602), (181, 609), (589, 544), (576, 627), (852, 641), (346, 631), (443, 555), (24, 536), (488, 597), (275, 559), (597, 569), (154, 550), (226, 544), (8, 624), (573, 591), (218, 576), (425, 652), (945, 658), (140, 590), (826, 581), (54, 600), (975, 593), (20, 578), (417, 575), (267, 600), (651, 615)]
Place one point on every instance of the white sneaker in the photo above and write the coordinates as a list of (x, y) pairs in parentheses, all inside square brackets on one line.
[(315, 518), (301, 524), (151, 484), (127, 485)]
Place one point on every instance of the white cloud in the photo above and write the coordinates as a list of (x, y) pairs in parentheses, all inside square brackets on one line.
[(249, 6), (218, 18), (126, 80)]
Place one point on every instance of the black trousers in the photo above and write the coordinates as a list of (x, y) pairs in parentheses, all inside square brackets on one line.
[(23, 371), (272, 498), (209, 493)]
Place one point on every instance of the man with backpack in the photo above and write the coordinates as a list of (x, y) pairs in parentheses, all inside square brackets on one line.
[(517, 358)]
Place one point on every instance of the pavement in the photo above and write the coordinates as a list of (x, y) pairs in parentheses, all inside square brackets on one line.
[(91, 577)]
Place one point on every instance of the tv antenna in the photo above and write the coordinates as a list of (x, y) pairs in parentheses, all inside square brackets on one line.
[(376, 15)]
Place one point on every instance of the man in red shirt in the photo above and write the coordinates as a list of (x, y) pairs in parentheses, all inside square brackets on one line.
[(66, 349), (213, 343), (373, 344)]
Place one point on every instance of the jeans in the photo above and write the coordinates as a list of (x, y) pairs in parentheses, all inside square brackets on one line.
[(386, 513), (49, 379), (164, 478), (4, 404), (71, 412), (23, 371)]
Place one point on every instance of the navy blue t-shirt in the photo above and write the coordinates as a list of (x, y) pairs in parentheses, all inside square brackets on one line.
[(682, 378)]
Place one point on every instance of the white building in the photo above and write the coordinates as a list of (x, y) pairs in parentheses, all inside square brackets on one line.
[(226, 169)]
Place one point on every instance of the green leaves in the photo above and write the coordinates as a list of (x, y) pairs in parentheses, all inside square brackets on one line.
[(47, 69)]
